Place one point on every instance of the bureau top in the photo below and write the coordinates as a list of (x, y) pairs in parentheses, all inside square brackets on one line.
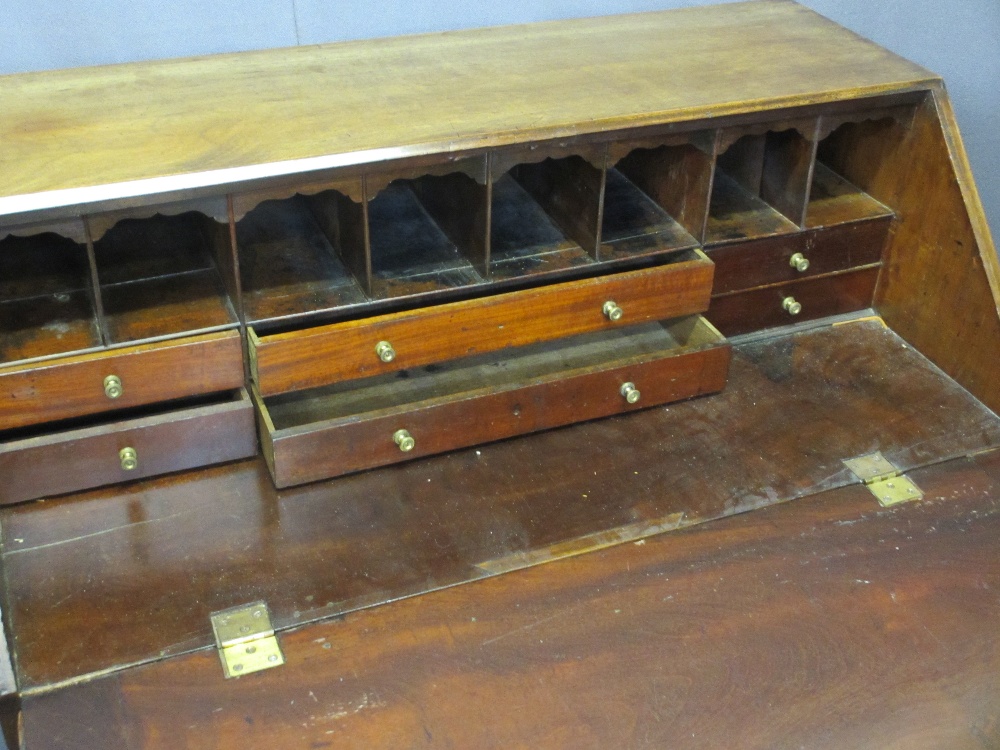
[(93, 135)]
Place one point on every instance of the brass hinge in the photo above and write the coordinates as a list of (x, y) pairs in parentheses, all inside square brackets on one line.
[(246, 640), (884, 480)]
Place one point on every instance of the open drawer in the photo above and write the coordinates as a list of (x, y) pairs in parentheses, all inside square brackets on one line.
[(347, 427), (323, 355), (164, 441), (119, 379)]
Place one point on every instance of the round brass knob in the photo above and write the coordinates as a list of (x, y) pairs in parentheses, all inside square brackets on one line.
[(612, 311), (791, 306), (113, 386), (799, 262), (631, 393), (385, 351), (404, 440), (129, 459)]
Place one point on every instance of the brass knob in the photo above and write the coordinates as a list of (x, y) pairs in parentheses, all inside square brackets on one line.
[(385, 351), (404, 440), (631, 393), (129, 459), (799, 262), (113, 386), (791, 306), (612, 310)]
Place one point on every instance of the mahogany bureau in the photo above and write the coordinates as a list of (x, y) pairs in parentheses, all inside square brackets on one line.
[(341, 257)]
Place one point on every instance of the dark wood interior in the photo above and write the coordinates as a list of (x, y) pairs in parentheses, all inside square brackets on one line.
[(345, 361), (149, 561), (828, 622)]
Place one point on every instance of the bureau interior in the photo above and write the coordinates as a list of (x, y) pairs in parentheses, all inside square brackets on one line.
[(140, 280), (46, 298), (158, 277), (291, 266), (760, 185), (423, 232), (543, 215), (656, 196)]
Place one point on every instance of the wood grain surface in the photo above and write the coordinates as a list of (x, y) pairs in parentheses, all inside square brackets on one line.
[(64, 130), (123, 575), (74, 386), (942, 288), (765, 261), (171, 440), (327, 354), (820, 296), (826, 623), (489, 400)]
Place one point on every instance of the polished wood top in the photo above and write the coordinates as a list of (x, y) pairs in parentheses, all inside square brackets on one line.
[(81, 136), (826, 623)]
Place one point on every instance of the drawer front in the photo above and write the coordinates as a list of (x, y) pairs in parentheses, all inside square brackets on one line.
[(345, 351), (330, 449), (75, 386), (747, 265), (763, 308), (91, 457)]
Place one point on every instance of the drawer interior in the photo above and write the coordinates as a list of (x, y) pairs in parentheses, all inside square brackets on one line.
[(491, 372), (58, 429)]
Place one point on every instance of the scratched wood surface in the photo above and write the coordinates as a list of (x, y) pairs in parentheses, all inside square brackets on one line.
[(827, 623), (88, 127), (942, 288), (124, 575)]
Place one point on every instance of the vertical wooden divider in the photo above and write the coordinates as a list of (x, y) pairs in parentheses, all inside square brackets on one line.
[(366, 239), (702, 237), (95, 285), (231, 278), (487, 272), (787, 170), (238, 290), (570, 191), (743, 159), (600, 203), (459, 204), (677, 177), (345, 224)]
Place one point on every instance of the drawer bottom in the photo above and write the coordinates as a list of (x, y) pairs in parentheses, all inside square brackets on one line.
[(82, 458), (348, 427)]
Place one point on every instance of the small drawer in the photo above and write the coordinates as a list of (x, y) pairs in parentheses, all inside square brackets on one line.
[(78, 459), (787, 258), (120, 379), (348, 427), (346, 351), (774, 305)]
